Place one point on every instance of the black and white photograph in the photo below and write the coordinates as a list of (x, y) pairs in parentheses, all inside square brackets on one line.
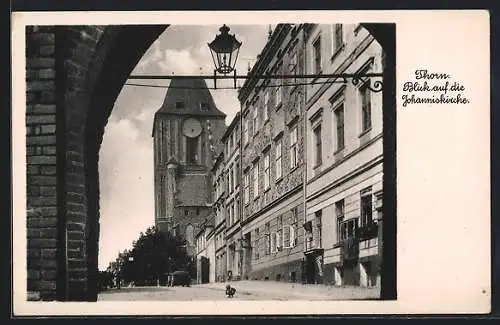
[(216, 161)]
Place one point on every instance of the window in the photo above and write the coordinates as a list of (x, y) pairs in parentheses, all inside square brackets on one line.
[(192, 150), (256, 179), (255, 120), (277, 89), (204, 107), (317, 146), (233, 213), (365, 107), (245, 130), (286, 236), (257, 244), (309, 236), (293, 65), (338, 37), (352, 226), (228, 216), (366, 207), (293, 148), (266, 105), (267, 240), (317, 230), (278, 96), (230, 176), (273, 242), (278, 159), (190, 234), (339, 213), (235, 172), (246, 187), (339, 127), (279, 234), (237, 210), (266, 171), (317, 56), (179, 105), (293, 227)]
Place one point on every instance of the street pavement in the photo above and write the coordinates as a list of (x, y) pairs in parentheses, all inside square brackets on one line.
[(245, 290)]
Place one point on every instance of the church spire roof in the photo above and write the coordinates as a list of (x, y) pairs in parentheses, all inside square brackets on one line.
[(189, 97)]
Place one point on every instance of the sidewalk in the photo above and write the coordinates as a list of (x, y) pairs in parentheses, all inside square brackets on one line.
[(299, 291)]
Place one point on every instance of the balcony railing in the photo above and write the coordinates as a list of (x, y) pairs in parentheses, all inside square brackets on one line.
[(368, 231), (350, 248)]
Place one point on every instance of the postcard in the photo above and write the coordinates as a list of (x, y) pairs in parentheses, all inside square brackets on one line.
[(249, 163)]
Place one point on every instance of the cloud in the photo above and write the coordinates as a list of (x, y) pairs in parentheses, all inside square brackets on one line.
[(128, 206)]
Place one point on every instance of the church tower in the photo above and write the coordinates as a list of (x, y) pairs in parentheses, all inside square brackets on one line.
[(186, 133)]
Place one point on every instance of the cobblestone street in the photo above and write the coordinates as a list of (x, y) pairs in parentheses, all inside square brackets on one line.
[(245, 290)]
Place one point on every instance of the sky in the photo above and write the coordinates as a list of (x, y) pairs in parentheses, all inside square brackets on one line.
[(126, 156)]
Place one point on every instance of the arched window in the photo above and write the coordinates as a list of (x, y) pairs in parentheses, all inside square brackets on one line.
[(190, 234)]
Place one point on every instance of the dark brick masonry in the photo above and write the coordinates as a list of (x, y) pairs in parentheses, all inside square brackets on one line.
[(41, 161), (73, 76)]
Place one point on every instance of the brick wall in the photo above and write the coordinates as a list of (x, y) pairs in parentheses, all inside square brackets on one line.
[(41, 161), (74, 74)]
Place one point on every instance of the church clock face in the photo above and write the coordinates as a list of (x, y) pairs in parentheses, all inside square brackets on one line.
[(191, 128)]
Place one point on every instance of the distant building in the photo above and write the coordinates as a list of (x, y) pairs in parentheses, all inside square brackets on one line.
[(186, 131), (205, 252), (344, 158)]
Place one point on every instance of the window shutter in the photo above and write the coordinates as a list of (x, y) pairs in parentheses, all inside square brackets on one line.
[(279, 240)]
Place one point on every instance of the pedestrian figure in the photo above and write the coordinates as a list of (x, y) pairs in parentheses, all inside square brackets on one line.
[(230, 291)]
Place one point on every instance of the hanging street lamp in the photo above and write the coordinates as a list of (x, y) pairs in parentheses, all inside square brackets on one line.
[(224, 49)]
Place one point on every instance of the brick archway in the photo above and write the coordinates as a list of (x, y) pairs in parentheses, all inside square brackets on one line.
[(74, 75)]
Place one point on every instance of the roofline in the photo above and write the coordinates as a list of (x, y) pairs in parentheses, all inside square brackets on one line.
[(231, 126), (265, 55), (218, 159)]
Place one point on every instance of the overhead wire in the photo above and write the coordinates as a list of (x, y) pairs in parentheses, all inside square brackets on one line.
[(238, 87)]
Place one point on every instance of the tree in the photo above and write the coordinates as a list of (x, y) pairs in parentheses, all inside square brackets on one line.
[(153, 255)]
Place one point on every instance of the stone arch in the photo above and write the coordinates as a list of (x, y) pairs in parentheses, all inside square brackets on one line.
[(96, 69)]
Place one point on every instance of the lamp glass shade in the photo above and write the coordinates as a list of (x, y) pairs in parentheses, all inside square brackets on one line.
[(224, 49)]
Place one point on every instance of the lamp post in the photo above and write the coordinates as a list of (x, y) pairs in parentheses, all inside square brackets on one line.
[(224, 49)]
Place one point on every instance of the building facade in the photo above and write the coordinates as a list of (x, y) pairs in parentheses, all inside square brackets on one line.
[(232, 199), (297, 183), (273, 161), (186, 131), (344, 158), (219, 187)]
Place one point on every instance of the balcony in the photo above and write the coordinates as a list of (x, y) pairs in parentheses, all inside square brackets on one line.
[(349, 249)]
